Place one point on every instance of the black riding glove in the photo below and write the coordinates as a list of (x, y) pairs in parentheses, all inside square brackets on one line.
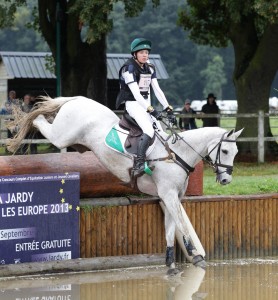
[(155, 113), (170, 115)]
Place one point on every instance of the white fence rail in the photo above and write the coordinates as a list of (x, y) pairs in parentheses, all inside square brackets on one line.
[(260, 138)]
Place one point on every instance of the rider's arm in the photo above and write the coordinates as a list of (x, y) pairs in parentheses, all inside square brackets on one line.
[(129, 79), (159, 93), (133, 86)]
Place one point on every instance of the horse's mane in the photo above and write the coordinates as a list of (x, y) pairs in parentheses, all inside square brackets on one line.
[(23, 122), (203, 131)]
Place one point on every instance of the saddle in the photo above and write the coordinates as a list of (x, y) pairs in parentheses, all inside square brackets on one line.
[(134, 133)]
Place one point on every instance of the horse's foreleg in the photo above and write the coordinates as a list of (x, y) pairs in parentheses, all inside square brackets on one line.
[(170, 227), (173, 205), (49, 132)]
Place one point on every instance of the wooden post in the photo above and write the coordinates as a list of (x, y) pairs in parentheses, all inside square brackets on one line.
[(261, 136)]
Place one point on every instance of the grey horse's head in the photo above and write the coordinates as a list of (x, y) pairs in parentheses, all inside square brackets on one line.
[(222, 153)]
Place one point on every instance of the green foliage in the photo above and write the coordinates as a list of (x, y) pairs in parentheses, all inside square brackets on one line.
[(8, 9), (251, 27), (202, 19), (50, 63), (214, 22), (24, 38), (95, 14), (267, 9), (214, 76), (183, 59)]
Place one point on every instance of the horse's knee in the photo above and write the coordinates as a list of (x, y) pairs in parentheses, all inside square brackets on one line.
[(170, 227)]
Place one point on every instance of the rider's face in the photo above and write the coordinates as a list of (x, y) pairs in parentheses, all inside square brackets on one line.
[(142, 56)]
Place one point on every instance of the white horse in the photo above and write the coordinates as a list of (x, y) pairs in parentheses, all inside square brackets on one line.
[(79, 120)]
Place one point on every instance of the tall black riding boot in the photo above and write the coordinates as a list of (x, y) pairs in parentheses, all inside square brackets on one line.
[(139, 161)]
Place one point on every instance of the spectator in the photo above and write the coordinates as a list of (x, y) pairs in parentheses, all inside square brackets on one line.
[(210, 108), (186, 123), (26, 107), (9, 104)]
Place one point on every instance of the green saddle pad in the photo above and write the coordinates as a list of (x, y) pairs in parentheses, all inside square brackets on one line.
[(113, 140)]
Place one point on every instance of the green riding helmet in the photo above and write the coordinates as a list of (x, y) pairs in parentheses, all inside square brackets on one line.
[(140, 44)]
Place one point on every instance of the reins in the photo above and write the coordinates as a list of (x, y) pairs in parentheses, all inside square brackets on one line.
[(175, 158), (172, 156)]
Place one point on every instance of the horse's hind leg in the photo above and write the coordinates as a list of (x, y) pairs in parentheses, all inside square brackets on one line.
[(51, 132)]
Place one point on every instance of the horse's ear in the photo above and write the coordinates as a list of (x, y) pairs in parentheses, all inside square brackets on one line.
[(238, 133), (230, 132)]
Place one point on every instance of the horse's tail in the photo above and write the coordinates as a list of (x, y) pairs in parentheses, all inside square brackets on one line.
[(24, 122)]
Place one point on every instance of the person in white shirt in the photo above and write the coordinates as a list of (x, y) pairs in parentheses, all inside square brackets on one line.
[(136, 76)]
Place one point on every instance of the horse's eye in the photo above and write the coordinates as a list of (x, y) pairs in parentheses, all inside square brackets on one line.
[(225, 151)]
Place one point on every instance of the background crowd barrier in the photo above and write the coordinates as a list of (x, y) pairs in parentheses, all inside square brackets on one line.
[(224, 118)]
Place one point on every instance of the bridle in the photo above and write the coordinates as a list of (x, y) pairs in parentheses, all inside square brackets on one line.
[(217, 163)]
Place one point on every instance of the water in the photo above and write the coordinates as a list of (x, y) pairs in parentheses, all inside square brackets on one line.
[(240, 279)]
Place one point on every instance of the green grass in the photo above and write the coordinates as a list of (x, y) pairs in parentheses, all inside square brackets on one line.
[(248, 179), (230, 123)]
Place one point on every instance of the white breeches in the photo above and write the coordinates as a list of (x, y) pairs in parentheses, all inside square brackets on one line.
[(143, 118)]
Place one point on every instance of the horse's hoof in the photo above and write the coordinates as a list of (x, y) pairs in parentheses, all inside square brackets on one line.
[(173, 272), (198, 261)]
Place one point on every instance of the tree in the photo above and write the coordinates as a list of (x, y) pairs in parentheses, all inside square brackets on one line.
[(252, 28), (23, 38), (214, 77), (183, 59), (83, 59)]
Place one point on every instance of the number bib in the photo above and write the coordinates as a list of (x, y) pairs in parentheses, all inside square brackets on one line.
[(144, 82)]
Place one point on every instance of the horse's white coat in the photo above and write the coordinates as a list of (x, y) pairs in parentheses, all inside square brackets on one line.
[(84, 121)]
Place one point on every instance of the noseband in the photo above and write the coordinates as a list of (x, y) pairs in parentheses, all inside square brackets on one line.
[(217, 163)]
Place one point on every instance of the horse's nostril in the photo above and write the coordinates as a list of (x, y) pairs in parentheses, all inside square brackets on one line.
[(224, 181)]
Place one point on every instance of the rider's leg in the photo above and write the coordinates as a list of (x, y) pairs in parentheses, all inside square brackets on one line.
[(143, 119), (139, 161)]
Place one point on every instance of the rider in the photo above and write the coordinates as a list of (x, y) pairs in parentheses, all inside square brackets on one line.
[(136, 76)]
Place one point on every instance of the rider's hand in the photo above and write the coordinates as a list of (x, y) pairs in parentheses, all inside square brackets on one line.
[(156, 114), (170, 115)]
